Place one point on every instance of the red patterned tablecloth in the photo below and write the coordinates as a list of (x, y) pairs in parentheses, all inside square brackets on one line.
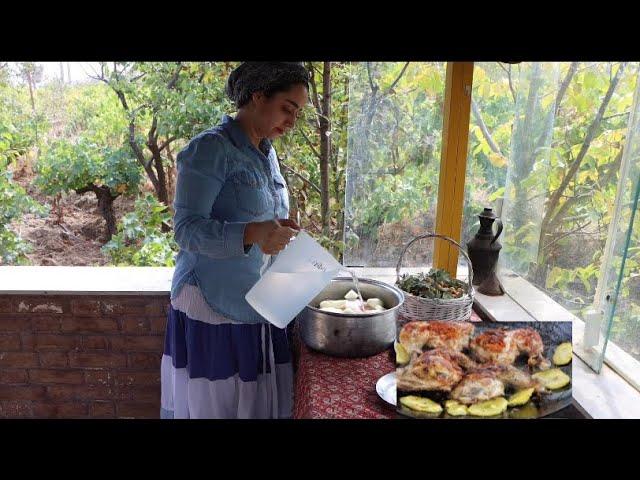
[(332, 387)]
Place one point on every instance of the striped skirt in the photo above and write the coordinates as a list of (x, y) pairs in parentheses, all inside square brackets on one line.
[(214, 367)]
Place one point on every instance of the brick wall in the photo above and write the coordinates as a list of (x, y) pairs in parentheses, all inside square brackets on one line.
[(81, 356)]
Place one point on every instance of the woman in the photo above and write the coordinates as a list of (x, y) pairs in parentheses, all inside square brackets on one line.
[(221, 358)]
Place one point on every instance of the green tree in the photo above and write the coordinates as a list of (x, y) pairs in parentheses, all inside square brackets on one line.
[(14, 201), (165, 103), (91, 155), (563, 133), (139, 240), (32, 74), (313, 156), (395, 123)]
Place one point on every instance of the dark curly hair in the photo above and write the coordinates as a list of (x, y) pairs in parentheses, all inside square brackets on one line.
[(266, 77)]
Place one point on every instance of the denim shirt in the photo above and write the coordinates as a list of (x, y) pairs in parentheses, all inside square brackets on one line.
[(223, 183)]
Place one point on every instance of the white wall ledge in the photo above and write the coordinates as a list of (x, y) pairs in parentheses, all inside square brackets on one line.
[(85, 280)]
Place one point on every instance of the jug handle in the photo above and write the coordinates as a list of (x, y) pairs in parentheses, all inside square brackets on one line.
[(499, 231)]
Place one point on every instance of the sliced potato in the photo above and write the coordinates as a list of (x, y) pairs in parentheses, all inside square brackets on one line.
[(402, 356), (351, 295), (455, 408), (553, 378), (375, 302), (520, 397), (421, 404), (333, 303), (563, 354), (488, 408)]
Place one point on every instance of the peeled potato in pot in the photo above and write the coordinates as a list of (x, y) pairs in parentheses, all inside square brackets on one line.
[(375, 303), (351, 295), (351, 305), (333, 303)]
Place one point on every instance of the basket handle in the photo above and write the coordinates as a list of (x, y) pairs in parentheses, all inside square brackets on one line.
[(435, 235)]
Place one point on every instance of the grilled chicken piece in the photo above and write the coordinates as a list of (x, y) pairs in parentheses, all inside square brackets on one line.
[(528, 341), (502, 347), (485, 383), (436, 334), (438, 369)]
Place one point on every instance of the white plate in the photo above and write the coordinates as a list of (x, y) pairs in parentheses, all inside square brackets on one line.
[(386, 388)]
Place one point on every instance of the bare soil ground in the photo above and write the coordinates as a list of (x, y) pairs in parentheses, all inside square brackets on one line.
[(77, 239)]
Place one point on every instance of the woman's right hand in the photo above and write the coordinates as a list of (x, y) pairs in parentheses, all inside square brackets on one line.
[(272, 236)]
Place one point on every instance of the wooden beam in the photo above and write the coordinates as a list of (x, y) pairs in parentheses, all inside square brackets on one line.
[(453, 163)]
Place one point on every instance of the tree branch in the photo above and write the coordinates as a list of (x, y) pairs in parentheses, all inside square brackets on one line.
[(152, 139), (558, 101), (88, 188), (591, 132), (563, 209), (508, 72), (166, 143), (388, 90), (309, 142), (485, 131), (301, 177), (135, 79), (374, 88), (314, 95), (140, 155), (566, 234), (616, 115), (315, 99), (612, 170), (174, 78), (565, 84)]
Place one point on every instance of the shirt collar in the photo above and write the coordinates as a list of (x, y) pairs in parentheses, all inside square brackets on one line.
[(240, 138)]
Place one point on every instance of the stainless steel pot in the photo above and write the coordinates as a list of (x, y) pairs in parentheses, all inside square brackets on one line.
[(345, 335)]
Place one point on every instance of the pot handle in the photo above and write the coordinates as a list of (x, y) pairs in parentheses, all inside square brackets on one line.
[(499, 231)]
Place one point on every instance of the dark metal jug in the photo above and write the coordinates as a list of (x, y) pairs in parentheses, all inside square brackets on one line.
[(484, 248)]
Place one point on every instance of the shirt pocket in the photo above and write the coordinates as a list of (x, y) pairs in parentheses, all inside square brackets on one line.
[(251, 192), (283, 193)]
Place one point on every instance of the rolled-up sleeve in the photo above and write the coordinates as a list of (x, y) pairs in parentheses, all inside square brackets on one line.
[(202, 171)]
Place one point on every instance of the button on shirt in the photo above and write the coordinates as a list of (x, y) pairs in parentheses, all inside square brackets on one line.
[(223, 183)]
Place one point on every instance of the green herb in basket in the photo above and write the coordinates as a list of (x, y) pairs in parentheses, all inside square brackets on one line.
[(435, 284)]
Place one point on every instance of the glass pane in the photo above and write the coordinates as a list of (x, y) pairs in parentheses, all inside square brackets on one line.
[(395, 129), (621, 279), (546, 146), (493, 106)]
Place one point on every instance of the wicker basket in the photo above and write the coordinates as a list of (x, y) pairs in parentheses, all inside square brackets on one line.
[(419, 308)]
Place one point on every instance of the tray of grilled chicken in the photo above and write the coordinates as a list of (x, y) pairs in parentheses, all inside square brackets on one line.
[(492, 370)]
